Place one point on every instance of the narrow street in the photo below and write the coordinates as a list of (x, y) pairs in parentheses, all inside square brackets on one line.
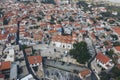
[(93, 54), (25, 56), (29, 68)]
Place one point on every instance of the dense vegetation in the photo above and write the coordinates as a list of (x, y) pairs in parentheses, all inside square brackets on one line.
[(48, 1), (80, 52), (110, 10), (113, 75), (83, 4), (116, 43)]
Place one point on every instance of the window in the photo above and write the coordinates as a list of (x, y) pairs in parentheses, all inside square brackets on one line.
[(68, 46)]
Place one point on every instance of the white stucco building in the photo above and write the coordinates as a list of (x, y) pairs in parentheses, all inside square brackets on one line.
[(104, 61), (64, 41)]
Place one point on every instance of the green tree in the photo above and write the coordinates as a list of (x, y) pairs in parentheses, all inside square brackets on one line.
[(116, 44), (118, 78), (71, 19), (104, 76), (59, 21), (115, 37), (80, 52), (34, 1), (39, 18), (106, 43), (110, 53), (116, 72), (23, 47)]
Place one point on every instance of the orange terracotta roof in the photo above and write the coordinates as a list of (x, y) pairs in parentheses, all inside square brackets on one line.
[(37, 36), (58, 26), (117, 48), (22, 28), (93, 36), (63, 39), (34, 59), (5, 65), (42, 24), (3, 36), (12, 30), (52, 31), (77, 25), (103, 58), (99, 29), (82, 31), (117, 30), (85, 72), (26, 34), (65, 22)]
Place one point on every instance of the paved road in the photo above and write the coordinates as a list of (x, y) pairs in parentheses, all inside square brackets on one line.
[(25, 56), (17, 38), (48, 50), (58, 71), (65, 66), (92, 47), (29, 68)]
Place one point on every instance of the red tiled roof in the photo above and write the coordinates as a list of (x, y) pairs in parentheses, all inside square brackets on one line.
[(26, 34), (58, 26), (12, 30), (93, 36), (52, 31), (82, 31), (5, 65), (42, 24), (3, 36), (117, 48), (85, 72), (117, 30), (38, 36), (34, 59), (99, 29), (77, 25), (22, 28), (103, 58), (63, 39)]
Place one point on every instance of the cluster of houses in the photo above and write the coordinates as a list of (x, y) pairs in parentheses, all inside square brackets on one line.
[(59, 26), (13, 65)]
